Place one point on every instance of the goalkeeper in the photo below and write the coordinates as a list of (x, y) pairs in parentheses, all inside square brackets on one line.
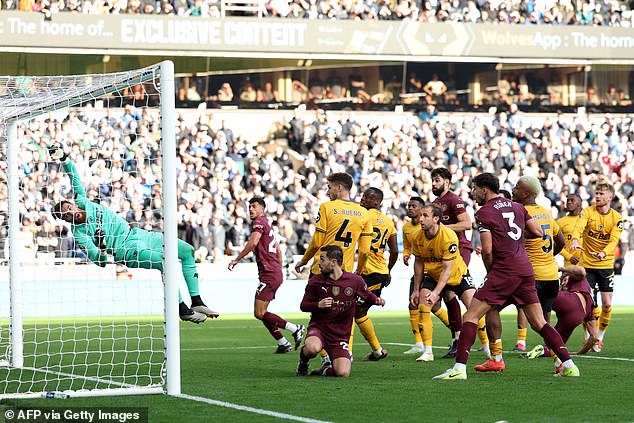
[(100, 231)]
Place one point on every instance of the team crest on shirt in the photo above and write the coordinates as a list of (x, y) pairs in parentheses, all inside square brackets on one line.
[(348, 291), (620, 224), (453, 248), (318, 217), (600, 228), (335, 290)]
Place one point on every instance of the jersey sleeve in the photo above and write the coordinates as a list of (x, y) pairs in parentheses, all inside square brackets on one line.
[(321, 224), (481, 223), (458, 206), (556, 228), (310, 300), (615, 234), (367, 229), (450, 246), (258, 226), (392, 230), (407, 243), (527, 216), (581, 224), (78, 188), (94, 254), (414, 243)]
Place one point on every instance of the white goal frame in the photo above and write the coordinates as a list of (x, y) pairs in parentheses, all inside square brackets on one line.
[(15, 112)]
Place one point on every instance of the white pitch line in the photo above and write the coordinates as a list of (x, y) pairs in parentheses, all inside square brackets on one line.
[(597, 357), (227, 348), (251, 409)]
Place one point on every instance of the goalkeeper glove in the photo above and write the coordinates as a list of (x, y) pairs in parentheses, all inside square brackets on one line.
[(56, 152)]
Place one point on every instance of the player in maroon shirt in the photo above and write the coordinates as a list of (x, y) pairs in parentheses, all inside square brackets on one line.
[(269, 260), (573, 306), (455, 217), (510, 277), (332, 298)]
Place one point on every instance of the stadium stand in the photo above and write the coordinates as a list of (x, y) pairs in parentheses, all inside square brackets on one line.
[(220, 168), (523, 12)]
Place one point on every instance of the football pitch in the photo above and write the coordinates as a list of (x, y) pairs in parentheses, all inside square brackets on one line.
[(229, 374)]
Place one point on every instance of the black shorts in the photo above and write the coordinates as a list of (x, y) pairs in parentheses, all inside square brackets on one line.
[(547, 292), (601, 279), (375, 282), (465, 284)]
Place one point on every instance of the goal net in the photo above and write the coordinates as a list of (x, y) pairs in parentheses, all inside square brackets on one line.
[(69, 323)]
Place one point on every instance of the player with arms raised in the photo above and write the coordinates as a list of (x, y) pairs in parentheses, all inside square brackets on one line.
[(101, 232), (510, 277), (269, 261)]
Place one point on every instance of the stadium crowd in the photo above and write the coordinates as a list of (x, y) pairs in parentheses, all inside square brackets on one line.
[(520, 12), (117, 155)]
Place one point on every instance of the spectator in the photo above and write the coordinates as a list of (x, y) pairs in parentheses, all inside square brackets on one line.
[(624, 100), (357, 88), (192, 91), (217, 171), (248, 93), (611, 97), (592, 99), (268, 94), (225, 93), (436, 89), (414, 84), (300, 92)]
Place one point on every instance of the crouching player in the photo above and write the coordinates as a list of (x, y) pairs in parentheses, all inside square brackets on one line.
[(331, 297), (573, 306)]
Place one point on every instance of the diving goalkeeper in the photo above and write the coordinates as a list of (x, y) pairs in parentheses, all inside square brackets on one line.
[(100, 231)]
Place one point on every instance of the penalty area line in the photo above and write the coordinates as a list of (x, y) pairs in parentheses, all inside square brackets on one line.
[(595, 357), (250, 409)]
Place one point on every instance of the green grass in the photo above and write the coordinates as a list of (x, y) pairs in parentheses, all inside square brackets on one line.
[(231, 360)]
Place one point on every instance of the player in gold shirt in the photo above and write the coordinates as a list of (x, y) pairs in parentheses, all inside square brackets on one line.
[(343, 223), (340, 222), (414, 207), (438, 267), (376, 272), (567, 225), (541, 252), (600, 227)]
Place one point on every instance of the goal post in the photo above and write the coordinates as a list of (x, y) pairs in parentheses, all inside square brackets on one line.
[(67, 325)]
